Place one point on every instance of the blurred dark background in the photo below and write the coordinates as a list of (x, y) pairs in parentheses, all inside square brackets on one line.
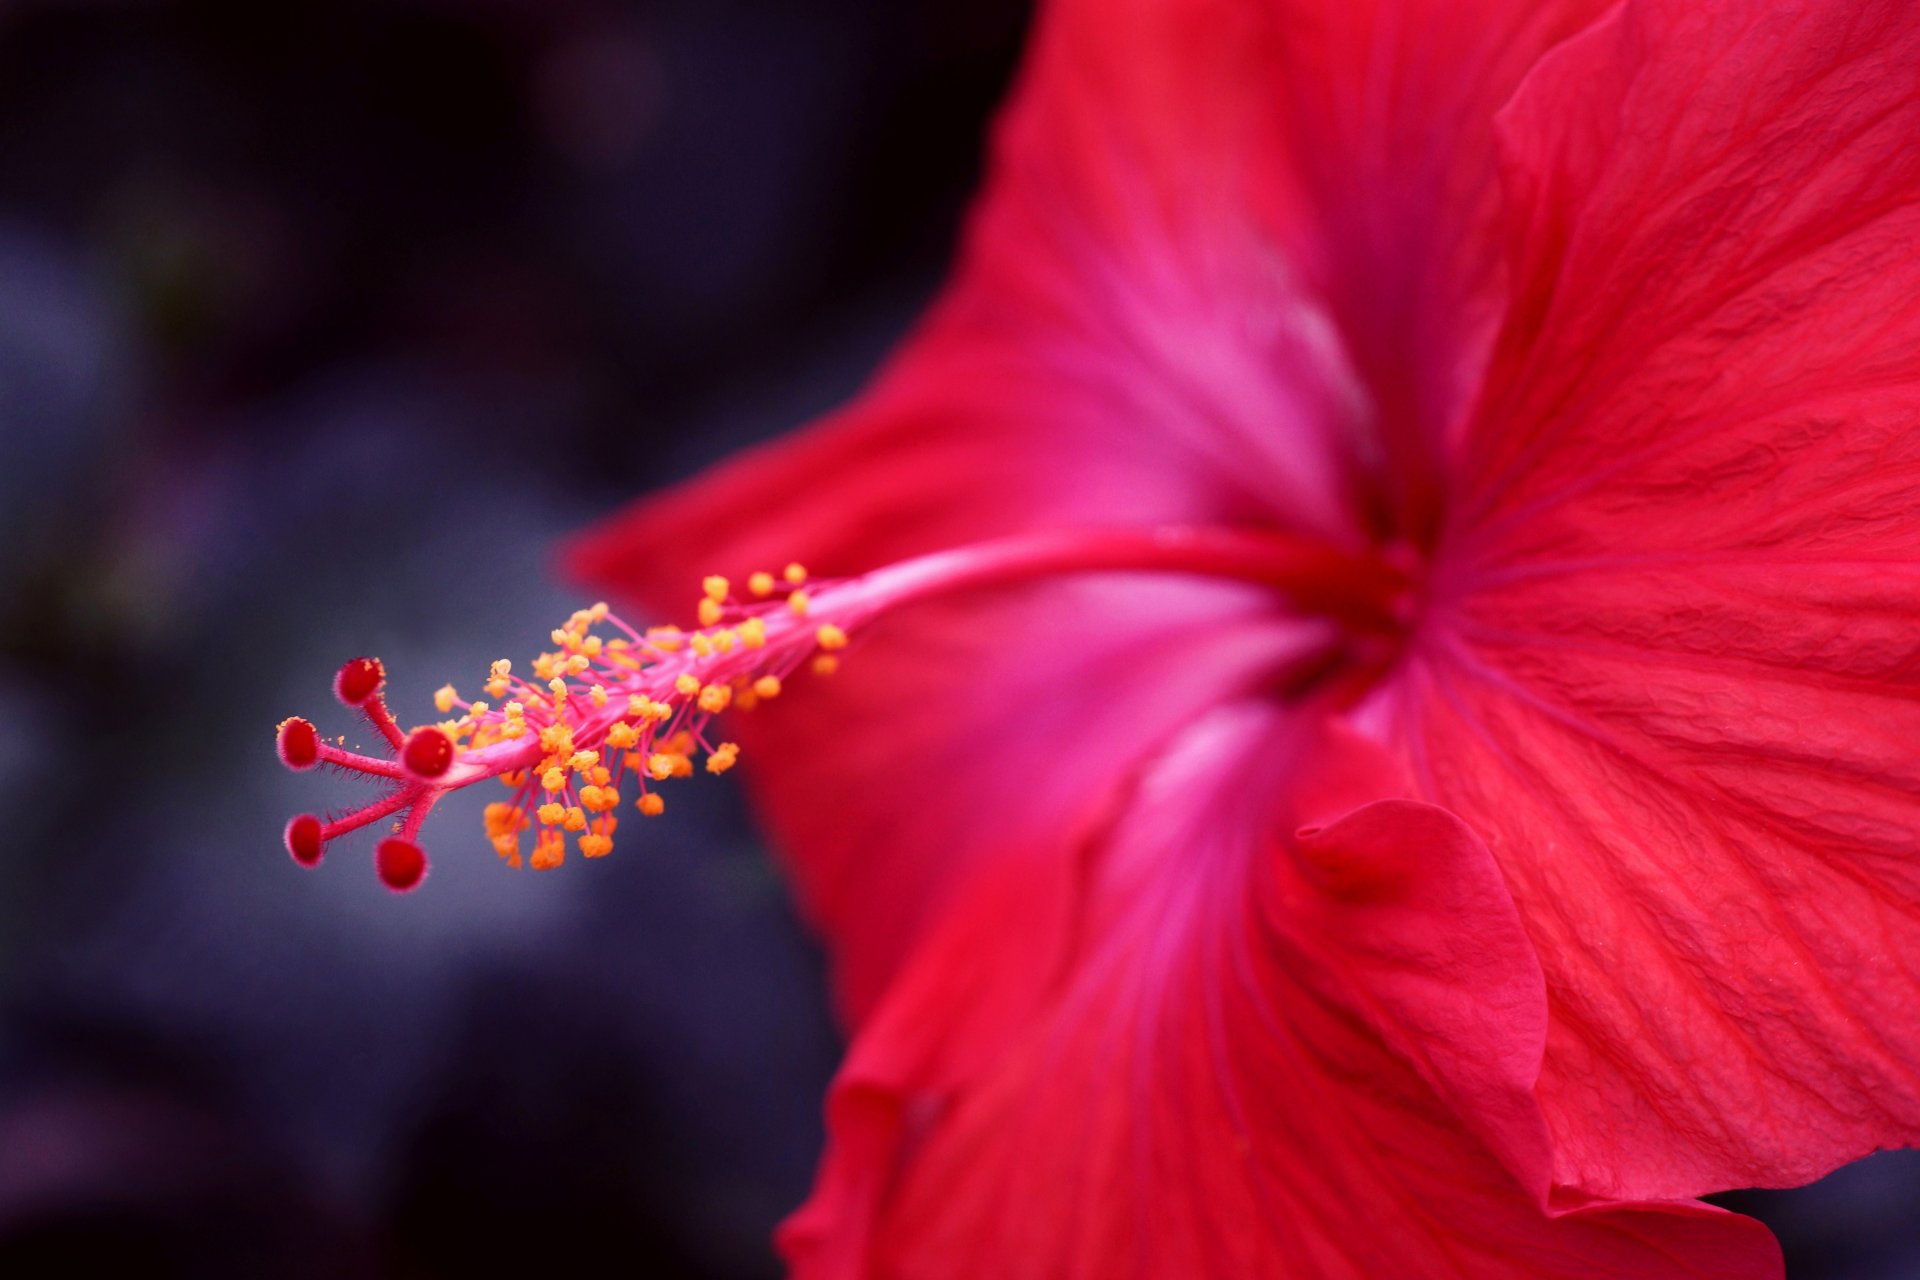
[(320, 323)]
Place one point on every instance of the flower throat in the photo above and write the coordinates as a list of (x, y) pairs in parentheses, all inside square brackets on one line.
[(610, 702)]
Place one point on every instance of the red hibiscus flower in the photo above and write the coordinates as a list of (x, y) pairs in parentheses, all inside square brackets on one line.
[(1602, 324), (1399, 752)]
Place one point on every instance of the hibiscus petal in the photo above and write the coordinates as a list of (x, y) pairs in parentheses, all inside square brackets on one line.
[(1129, 340), (1676, 679), (1219, 1051), (1388, 108)]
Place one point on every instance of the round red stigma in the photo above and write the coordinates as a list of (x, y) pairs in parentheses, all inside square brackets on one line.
[(358, 680), (402, 864), (303, 840), (298, 744), (428, 753)]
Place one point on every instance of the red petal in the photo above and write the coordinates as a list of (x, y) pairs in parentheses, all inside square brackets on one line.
[(1683, 692), (960, 734), (1217, 1051), (1124, 344)]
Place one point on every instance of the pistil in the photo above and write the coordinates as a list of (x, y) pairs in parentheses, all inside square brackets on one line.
[(611, 701)]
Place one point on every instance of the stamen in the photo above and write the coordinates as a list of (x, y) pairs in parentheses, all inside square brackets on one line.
[(639, 702)]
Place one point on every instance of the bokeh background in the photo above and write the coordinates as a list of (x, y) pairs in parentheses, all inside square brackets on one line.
[(321, 321)]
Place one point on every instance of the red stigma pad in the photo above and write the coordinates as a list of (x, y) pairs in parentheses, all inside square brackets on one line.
[(299, 744), (358, 680), (401, 863), (428, 753), (303, 840)]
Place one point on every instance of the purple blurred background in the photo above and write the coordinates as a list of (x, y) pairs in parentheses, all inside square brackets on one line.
[(320, 323)]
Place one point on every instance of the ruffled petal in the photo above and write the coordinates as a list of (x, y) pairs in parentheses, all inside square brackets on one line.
[(1675, 679), (1215, 1049)]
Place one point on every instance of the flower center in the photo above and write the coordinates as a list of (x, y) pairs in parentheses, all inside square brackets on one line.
[(609, 701)]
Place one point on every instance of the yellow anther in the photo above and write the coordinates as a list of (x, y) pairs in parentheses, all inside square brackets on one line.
[(552, 814), (557, 685), (543, 666), (549, 851), (724, 641), (598, 611), (798, 602), (708, 612), (513, 729), (583, 760), (831, 637), (576, 820), (502, 668), (558, 738), (592, 646), (651, 804), (687, 684), (502, 818), (623, 735), (660, 765), (761, 584), (498, 688), (443, 698), (514, 710), (680, 743), (723, 757), (561, 636), (825, 664), (508, 847), (682, 765), (767, 687), (715, 697), (578, 664), (753, 633), (665, 639), (746, 700), (516, 778), (600, 843), (554, 779), (598, 695), (475, 710), (603, 799), (702, 644), (795, 575), (716, 588), (601, 775)]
